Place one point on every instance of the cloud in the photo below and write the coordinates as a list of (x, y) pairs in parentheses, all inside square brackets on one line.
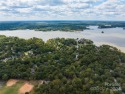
[(111, 7), (62, 9)]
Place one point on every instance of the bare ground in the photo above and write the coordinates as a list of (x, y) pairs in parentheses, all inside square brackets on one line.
[(27, 87), (11, 82)]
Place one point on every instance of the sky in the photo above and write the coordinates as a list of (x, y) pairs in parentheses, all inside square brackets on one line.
[(12, 10)]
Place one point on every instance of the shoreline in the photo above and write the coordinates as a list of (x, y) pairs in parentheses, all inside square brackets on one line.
[(122, 49), (113, 38)]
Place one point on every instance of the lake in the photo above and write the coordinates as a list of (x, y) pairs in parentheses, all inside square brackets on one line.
[(111, 36)]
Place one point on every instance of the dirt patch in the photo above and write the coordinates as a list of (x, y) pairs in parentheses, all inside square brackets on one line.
[(11, 82), (27, 87)]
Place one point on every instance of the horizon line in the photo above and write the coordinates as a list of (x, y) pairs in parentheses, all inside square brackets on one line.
[(60, 20)]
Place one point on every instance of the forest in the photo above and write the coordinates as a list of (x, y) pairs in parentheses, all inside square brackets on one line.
[(42, 25), (70, 66), (58, 25)]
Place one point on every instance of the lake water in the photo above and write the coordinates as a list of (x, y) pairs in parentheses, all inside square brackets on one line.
[(111, 36)]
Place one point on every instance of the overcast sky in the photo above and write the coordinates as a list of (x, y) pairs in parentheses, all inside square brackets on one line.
[(62, 10)]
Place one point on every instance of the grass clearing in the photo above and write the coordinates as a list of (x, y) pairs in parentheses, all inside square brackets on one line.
[(11, 90), (15, 86)]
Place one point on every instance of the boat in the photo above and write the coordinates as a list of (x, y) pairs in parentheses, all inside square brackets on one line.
[(102, 31)]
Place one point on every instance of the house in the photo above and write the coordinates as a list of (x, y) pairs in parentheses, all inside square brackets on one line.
[(28, 53)]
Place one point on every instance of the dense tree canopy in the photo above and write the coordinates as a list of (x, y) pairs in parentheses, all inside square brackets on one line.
[(67, 70)]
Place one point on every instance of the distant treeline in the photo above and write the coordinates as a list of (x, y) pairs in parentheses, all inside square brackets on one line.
[(112, 25), (58, 25), (43, 26)]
